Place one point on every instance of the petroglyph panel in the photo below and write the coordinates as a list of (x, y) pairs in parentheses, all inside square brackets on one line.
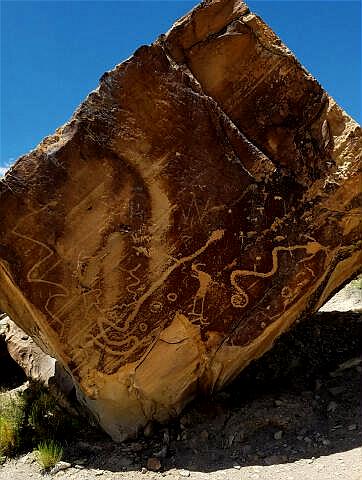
[(198, 203)]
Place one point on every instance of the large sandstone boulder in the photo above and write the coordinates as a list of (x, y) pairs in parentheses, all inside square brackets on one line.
[(202, 200)]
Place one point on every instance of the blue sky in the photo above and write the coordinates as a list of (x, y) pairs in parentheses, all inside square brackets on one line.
[(53, 53)]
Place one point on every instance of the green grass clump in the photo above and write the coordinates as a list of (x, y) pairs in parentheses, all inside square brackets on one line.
[(29, 418), (11, 423), (34, 419), (49, 453), (8, 436)]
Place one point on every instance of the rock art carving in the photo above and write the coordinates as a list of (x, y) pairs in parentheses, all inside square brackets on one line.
[(200, 201), (204, 280), (241, 299)]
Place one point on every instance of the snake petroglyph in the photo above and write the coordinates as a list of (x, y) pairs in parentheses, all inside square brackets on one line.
[(241, 298)]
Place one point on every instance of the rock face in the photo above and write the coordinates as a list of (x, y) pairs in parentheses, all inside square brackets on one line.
[(203, 199), (36, 364)]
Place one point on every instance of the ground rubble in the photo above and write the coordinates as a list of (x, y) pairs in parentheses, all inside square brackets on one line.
[(296, 429)]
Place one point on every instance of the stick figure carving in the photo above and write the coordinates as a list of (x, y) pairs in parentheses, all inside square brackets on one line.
[(199, 299)]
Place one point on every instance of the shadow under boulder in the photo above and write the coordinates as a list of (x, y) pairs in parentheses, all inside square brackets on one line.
[(11, 374), (21, 359), (313, 347)]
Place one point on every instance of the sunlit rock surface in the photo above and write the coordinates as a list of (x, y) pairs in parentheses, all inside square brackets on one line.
[(199, 202)]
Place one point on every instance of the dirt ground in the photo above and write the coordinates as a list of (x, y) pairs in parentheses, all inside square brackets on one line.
[(291, 420)]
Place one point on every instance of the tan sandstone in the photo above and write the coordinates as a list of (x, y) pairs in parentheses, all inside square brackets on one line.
[(202, 200)]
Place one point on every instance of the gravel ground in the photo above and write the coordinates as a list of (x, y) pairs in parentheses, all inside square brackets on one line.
[(344, 465)]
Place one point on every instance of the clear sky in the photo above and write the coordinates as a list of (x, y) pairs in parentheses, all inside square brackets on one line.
[(53, 53)]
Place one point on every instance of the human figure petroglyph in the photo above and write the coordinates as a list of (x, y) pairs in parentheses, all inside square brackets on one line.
[(124, 348), (199, 299), (107, 323), (215, 236)]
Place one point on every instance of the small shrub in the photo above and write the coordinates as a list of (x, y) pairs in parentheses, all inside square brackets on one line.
[(49, 453), (45, 417), (30, 418)]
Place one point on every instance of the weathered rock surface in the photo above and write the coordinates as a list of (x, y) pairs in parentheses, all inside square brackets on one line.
[(203, 199), (36, 364)]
